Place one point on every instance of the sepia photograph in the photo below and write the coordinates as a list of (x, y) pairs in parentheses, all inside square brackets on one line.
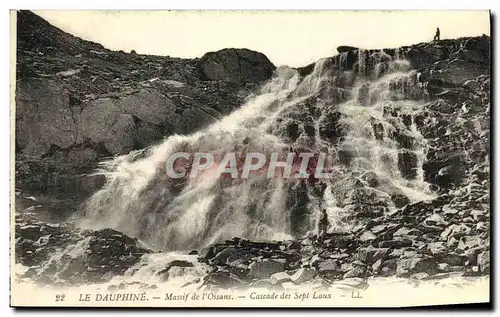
[(250, 158)]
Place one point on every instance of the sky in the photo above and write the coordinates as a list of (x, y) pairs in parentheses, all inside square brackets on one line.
[(293, 38)]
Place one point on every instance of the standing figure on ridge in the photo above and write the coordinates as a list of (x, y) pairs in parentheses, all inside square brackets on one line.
[(438, 34)]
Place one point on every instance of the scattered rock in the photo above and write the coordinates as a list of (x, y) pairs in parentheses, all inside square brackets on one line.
[(345, 48), (278, 278), (483, 261), (357, 271), (329, 269)]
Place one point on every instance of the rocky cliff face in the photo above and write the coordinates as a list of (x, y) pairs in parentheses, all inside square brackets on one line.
[(78, 102)]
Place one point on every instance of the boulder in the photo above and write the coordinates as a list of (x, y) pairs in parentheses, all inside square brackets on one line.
[(280, 277), (355, 272), (266, 268), (227, 256), (370, 254), (395, 244), (483, 261), (85, 256), (371, 178), (367, 236), (97, 118), (437, 248), (407, 164), (330, 126), (148, 105), (346, 48), (122, 135), (329, 268), (470, 242), (455, 231)]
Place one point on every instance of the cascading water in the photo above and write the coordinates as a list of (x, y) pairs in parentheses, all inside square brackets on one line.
[(140, 200)]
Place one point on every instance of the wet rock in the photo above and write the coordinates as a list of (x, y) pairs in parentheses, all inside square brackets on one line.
[(376, 266), (378, 129), (292, 131), (367, 236), (364, 94), (357, 271), (400, 200), (224, 279), (479, 215), (266, 284), (445, 169), (227, 255), (44, 117), (290, 256), (444, 267), (86, 256)]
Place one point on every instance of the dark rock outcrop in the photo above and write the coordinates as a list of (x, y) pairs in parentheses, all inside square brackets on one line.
[(345, 48)]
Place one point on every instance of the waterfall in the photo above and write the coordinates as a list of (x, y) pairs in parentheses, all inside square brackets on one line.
[(140, 200)]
